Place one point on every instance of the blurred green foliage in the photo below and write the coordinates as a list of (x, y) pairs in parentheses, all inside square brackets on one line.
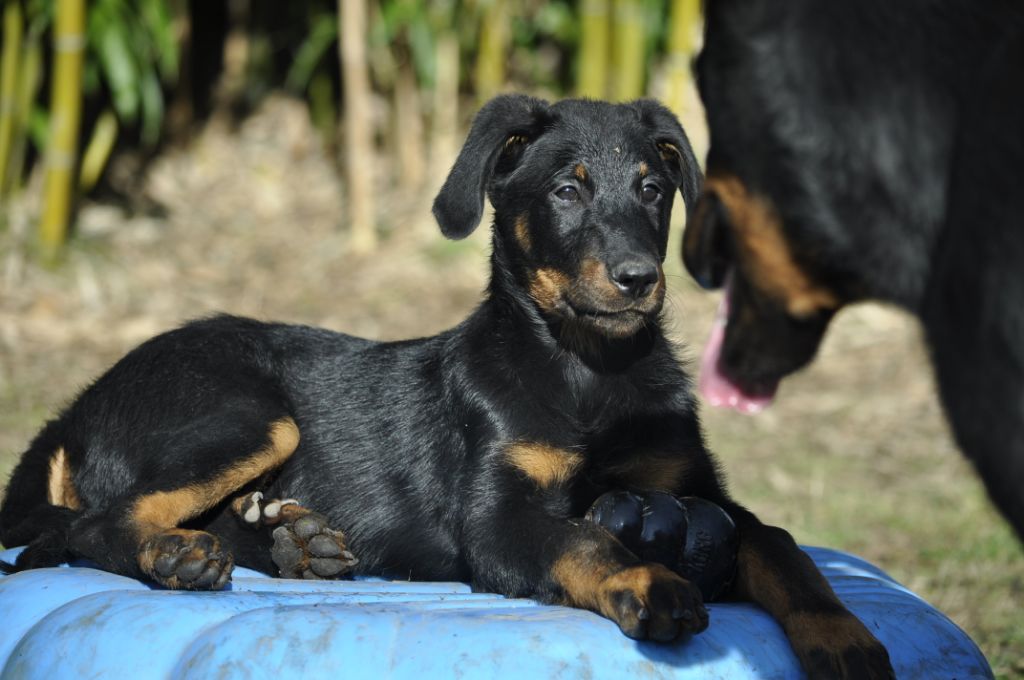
[(144, 57)]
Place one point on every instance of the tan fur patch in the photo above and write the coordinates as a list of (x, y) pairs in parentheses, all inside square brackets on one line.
[(643, 170), (546, 465), (60, 489), (764, 251), (649, 472), (580, 575), (165, 509), (547, 287), (594, 275), (522, 231), (581, 172), (592, 584)]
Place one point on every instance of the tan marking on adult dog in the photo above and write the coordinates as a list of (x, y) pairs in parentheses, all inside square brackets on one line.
[(581, 172), (643, 170), (764, 253), (522, 231), (165, 509), (60, 489), (546, 465)]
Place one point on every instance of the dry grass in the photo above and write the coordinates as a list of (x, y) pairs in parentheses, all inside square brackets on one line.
[(855, 454)]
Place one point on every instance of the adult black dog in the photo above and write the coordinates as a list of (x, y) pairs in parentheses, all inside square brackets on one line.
[(870, 150), (471, 455)]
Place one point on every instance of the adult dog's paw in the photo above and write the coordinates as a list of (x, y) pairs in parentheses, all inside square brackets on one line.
[(837, 645), (305, 546), (650, 602), (185, 560)]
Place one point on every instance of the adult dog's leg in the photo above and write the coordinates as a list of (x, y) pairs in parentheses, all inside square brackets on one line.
[(774, 573)]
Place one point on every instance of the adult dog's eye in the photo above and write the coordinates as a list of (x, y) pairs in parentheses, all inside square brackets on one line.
[(567, 193), (650, 193)]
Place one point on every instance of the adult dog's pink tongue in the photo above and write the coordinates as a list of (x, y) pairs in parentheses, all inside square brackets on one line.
[(716, 388)]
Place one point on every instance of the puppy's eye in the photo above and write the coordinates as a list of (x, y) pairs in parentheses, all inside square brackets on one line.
[(650, 193), (567, 193)]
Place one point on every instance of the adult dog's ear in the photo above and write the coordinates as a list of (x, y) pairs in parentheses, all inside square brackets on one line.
[(674, 147), (504, 125)]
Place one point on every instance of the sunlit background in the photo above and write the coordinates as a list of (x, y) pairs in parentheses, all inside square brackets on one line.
[(162, 160)]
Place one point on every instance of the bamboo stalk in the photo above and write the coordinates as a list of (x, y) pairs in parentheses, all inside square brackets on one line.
[(444, 129), (358, 126), (28, 86), (489, 75), (628, 50), (408, 129), (592, 59), (684, 20), (13, 27), (65, 115)]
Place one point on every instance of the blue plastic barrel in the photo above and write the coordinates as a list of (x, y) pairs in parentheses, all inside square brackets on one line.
[(79, 622)]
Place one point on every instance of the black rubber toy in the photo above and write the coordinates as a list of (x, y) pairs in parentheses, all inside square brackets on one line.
[(691, 536)]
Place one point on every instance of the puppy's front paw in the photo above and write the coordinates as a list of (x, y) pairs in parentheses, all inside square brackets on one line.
[(837, 645), (650, 602)]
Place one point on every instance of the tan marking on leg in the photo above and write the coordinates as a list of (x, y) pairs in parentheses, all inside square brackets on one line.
[(60, 489), (650, 472), (580, 573), (581, 172), (590, 583), (165, 509), (827, 630), (764, 253), (522, 231), (547, 287), (546, 465)]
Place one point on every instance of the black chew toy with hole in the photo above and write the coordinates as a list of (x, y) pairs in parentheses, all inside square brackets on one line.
[(691, 536)]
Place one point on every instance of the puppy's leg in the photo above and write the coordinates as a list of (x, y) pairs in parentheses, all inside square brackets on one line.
[(305, 546), (774, 573), (519, 549), (141, 535)]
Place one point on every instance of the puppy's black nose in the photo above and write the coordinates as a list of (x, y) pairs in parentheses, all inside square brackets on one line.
[(635, 278)]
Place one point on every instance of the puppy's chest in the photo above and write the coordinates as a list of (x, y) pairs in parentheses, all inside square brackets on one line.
[(594, 464)]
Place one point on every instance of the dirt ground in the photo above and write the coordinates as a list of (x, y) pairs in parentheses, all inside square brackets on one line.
[(854, 455)]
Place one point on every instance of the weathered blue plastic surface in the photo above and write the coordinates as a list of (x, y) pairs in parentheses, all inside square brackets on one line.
[(83, 623)]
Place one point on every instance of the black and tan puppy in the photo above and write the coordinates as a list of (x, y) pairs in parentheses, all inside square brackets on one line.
[(870, 150), (471, 455)]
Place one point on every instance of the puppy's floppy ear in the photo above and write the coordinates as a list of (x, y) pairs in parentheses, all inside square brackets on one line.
[(674, 147), (503, 123)]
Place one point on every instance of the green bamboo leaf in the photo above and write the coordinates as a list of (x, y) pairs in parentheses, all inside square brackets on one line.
[(322, 35), (115, 57), (152, 98), (39, 127), (158, 21)]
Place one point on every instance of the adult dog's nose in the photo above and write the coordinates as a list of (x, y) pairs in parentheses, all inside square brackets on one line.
[(635, 278)]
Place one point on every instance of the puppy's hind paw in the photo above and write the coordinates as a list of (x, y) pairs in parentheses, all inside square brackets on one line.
[(306, 547)]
